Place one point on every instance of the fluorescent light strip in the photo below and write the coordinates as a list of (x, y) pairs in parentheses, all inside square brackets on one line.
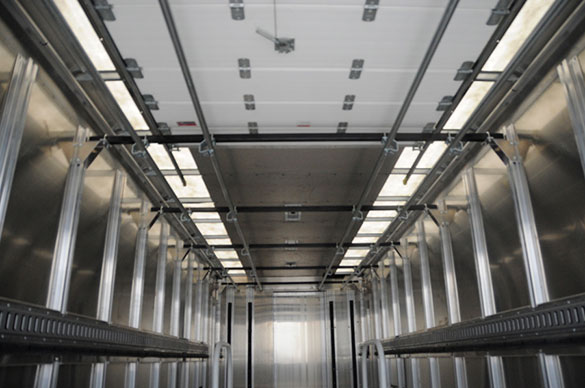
[(432, 154), (395, 187), (85, 34), (470, 101), (519, 30), (219, 241), (377, 227), (208, 229), (351, 261), (363, 239), (159, 154), (231, 263), (127, 104), (195, 186), (407, 157), (356, 252), (184, 158), (226, 254)]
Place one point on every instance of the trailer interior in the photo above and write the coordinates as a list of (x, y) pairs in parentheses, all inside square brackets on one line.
[(292, 193)]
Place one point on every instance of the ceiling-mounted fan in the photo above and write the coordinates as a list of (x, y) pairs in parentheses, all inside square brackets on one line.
[(282, 45)]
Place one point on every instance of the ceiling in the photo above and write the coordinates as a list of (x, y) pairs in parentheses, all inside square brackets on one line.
[(302, 91)]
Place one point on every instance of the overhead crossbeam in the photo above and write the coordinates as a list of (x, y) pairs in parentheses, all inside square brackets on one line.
[(295, 137), (300, 208), (294, 245)]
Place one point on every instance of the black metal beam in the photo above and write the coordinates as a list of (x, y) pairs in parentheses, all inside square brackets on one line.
[(281, 209), (26, 327), (293, 246), (292, 283), (285, 268), (295, 137), (561, 321)]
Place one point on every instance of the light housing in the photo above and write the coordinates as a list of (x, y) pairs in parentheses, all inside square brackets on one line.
[(127, 104), (519, 30), (85, 34)]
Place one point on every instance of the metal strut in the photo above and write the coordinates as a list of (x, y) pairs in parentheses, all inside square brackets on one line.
[(208, 145), (541, 44), (390, 140)]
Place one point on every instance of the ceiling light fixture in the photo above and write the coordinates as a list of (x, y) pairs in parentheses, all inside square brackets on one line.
[(470, 101), (127, 104), (85, 34), (519, 30)]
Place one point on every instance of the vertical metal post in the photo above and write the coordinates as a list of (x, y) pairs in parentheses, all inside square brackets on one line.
[(396, 316), (108, 276), (188, 313), (205, 328), (137, 292), (363, 317), (250, 342), (425, 273), (385, 315), (571, 76), (410, 311), (110, 257), (130, 375), (58, 291), (482, 262), (183, 371), (46, 375), (12, 117), (482, 265), (176, 291), (533, 263), (395, 296), (97, 378), (384, 312), (154, 375), (451, 288), (175, 308), (531, 252), (159, 295), (550, 365), (217, 316), (198, 322), (427, 294), (376, 303)]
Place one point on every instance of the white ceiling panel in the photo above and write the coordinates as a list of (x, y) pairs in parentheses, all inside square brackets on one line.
[(285, 115), (326, 86), (309, 84)]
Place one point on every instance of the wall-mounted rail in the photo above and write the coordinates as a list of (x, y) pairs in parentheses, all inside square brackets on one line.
[(28, 327)]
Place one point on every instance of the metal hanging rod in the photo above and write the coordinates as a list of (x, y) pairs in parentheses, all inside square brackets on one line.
[(286, 268), (300, 283), (559, 30), (390, 145), (293, 245), (295, 137), (300, 208), (207, 146)]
